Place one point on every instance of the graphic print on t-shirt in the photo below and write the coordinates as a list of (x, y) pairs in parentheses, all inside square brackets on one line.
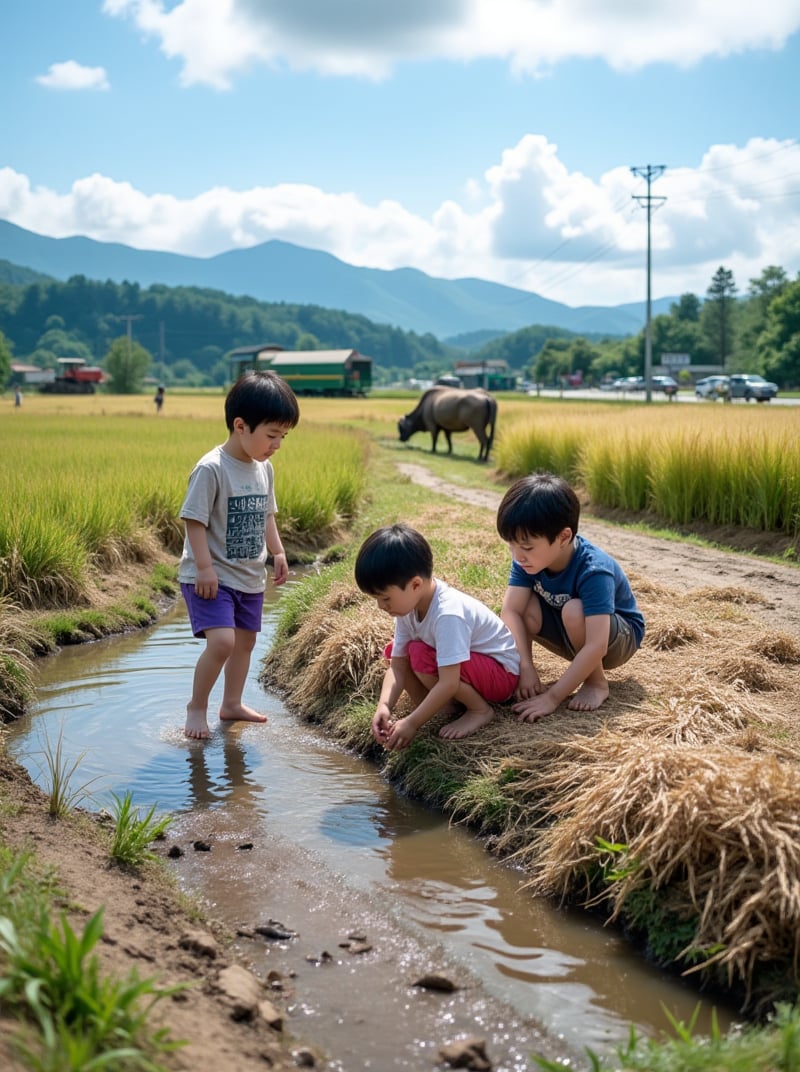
[(247, 521), (555, 599)]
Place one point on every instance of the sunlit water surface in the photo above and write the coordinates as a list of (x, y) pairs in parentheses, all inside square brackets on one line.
[(333, 838)]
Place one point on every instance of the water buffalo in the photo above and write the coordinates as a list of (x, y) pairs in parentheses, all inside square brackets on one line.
[(448, 409)]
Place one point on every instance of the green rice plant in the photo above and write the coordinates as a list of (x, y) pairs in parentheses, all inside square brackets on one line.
[(688, 465), (541, 444), (675, 491), (84, 1021), (133, 835), (57, 778), (598, 471), (127, 507), (40, 562)]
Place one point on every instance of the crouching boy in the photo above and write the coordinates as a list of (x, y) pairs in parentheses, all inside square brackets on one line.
[(566, 595), (451, 654)]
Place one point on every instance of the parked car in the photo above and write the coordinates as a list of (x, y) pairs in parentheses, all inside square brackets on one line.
[(628, 383), (664, 383), (638, 383), (712, 387), (748, 386)]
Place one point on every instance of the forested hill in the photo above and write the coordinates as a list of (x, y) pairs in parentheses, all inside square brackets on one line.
[(276, 271), (187, 324)]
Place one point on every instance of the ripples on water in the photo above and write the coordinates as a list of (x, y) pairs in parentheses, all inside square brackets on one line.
[(121, 702)]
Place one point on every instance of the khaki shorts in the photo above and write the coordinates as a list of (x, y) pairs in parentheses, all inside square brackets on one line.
[(621, 638)]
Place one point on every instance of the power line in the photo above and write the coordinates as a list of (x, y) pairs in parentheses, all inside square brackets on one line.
[(649, 172)]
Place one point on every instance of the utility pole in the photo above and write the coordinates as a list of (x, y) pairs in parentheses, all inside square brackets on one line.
[(649, 172)]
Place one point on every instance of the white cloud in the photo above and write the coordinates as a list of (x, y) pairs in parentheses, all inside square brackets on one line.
[(215, 39), (72, 75), (531, 223)]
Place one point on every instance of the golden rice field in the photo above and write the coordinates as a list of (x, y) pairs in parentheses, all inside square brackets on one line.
[(89, 482), (93, 480)]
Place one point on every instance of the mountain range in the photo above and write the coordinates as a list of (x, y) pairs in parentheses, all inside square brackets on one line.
[(277, 271)]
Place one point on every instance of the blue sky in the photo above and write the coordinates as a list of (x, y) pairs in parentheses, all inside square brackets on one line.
[(488, 138)]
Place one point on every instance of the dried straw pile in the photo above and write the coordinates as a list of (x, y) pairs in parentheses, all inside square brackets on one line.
[(691, 769)]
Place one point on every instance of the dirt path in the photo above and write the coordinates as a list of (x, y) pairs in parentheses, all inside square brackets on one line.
[(678, 565)]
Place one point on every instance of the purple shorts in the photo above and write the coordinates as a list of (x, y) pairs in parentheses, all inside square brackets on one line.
[(230, 610), (486, 675)]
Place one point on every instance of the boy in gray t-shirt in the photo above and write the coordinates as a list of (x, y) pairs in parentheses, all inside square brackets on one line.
[(229, 513)]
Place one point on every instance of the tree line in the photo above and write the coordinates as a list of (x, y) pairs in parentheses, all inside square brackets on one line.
[(758, 333), (181, 335), (186, 332)]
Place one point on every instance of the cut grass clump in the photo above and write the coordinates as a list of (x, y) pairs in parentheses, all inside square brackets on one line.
[(717, 827), (778, 648), (133, 835), (747, 672)]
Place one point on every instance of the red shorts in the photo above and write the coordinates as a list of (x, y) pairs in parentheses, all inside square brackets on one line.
[(486, 675)]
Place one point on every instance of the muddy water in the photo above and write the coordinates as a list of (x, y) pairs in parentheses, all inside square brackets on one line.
[(314, 838)]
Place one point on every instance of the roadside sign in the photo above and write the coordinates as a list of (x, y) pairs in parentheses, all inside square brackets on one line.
[(676, 360)]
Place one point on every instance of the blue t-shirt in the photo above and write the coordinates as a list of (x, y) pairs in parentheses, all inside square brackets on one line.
[(592, 576)]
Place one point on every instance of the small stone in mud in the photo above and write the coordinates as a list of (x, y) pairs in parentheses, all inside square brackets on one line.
[(174, 852), (201, 846), (359, 947), (275, 931), (432, 981), (275, 980), (245, 846), (304, 1058), (323, 958), (469, 1053)]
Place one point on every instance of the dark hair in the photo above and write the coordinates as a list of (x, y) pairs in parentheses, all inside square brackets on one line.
[(261, 396), (392, 555), (541, 504)]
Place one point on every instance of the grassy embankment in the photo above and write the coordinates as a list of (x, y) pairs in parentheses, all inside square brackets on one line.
[(673, 809), (92, 501)]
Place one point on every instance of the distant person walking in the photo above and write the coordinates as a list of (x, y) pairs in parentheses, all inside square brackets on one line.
[(159, 397), (17, 396)]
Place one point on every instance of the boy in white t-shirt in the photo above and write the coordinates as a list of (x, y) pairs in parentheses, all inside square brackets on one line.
[(451, 654)]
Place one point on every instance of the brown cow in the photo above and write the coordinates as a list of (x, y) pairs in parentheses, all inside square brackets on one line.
[(449, 409)]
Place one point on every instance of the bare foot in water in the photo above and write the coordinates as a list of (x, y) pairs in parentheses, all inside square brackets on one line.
[(470, 722), (588, 697), (240, 713), (196, 724)]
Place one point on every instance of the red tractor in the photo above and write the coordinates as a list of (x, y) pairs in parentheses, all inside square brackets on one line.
[(74, 377)]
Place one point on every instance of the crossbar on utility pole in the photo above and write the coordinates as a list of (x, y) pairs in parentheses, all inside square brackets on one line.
[(649, 172)]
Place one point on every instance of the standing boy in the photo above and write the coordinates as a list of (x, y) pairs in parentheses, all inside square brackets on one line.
[(450, 653), (229, 511), (565, 594)]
